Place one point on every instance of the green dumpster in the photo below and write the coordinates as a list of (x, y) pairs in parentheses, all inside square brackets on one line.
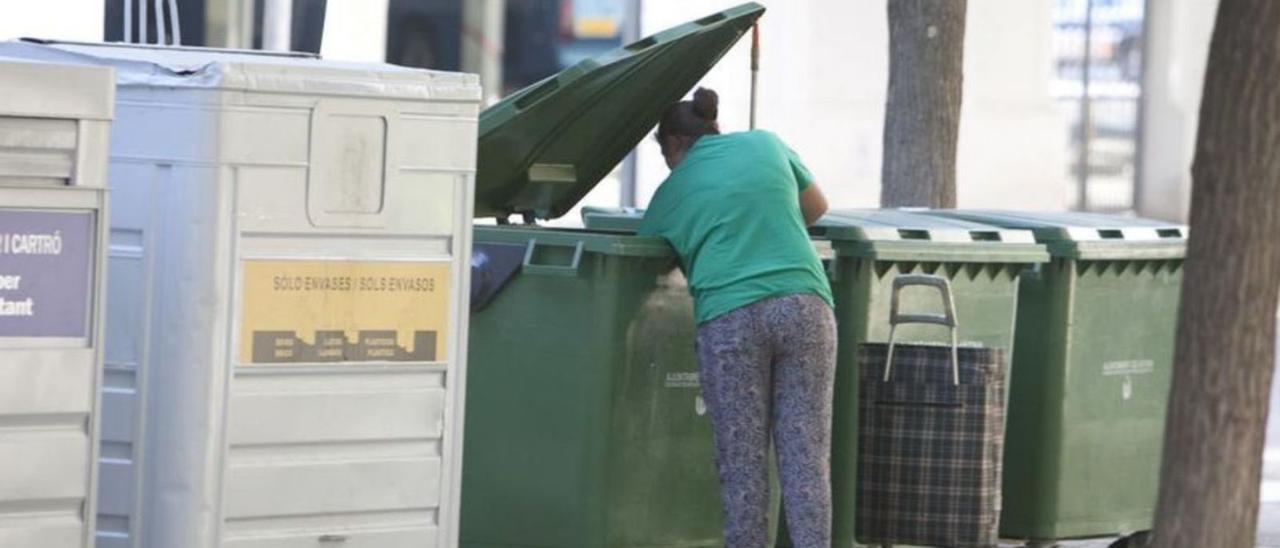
[(584, 424), (864, 251), (1091, 374), (871, 248)]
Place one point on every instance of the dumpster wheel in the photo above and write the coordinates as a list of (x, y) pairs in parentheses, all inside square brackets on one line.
[(1136, 540)]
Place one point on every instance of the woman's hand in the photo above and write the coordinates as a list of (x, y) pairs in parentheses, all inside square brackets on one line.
[(813, 204)]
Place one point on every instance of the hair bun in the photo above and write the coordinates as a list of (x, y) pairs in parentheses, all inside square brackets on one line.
[(706, 104)]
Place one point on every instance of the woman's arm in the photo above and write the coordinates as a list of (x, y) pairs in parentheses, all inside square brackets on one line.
[(813, 204)]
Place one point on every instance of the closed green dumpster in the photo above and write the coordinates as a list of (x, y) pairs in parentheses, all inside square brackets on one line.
[(871, 248), (864, 251), (584, 424), (1091, 373)]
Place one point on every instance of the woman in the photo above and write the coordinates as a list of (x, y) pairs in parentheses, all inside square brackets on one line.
[(735, 208)]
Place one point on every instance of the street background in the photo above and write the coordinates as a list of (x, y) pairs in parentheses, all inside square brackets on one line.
[(1068, 104)]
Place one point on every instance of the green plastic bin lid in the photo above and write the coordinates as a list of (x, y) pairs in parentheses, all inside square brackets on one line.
[(908, 225), (852, 224), (612, 219), (543, 148), (911, 235), (884, 234), (1077, 235)]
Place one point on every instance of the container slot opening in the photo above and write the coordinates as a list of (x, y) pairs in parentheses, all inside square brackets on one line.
[(6, 180), (38, 151), (537, 94), (984, 236), (714, 18), (552, 255), (1169, 232), (1111, 234), (642, 44), (908, 234)]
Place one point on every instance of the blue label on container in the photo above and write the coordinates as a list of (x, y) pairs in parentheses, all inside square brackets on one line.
[(46, 268)]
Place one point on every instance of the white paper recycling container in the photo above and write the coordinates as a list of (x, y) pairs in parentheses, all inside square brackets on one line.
[(286, 312), (54, 125)]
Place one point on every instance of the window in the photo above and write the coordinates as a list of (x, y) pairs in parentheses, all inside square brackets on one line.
[(1098, 88)]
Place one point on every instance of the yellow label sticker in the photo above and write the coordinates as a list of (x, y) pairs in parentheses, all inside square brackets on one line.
[(343, 311)]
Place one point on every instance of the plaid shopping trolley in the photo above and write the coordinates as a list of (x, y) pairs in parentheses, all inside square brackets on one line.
[(931, 433)]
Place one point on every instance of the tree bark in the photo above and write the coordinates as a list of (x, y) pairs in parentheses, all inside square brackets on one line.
[(922, 110), (1227, 324)]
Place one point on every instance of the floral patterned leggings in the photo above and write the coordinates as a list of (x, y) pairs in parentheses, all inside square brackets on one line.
[(768, 366)]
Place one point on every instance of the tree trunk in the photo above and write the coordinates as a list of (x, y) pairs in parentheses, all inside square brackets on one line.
[(1227, 324), (922, 110)]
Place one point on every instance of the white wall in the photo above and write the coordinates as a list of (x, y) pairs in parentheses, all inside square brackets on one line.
[(80, 20), (824, 69), (823, 73), (1177, 47), (1013, 141)]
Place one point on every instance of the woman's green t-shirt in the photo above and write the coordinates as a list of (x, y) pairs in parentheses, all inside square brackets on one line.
[(731, 210)]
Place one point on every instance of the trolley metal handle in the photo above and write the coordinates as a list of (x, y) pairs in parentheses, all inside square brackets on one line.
[(947, 318), (553, 270)]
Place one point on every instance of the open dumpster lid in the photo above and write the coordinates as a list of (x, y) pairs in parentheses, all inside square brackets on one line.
[(1079, 235), (542, 149)]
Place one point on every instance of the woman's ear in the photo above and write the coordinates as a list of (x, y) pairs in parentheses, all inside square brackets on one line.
[(667, 144), (676, 144)]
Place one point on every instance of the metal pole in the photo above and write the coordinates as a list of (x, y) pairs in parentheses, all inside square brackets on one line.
[(630, 33), (128, 21), (755, 69), (277, 25), (1140, 126), (246, 23), (142, 22), (236, 23), (160, 36), (175, 24), (1086, 117), (482, 43)]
